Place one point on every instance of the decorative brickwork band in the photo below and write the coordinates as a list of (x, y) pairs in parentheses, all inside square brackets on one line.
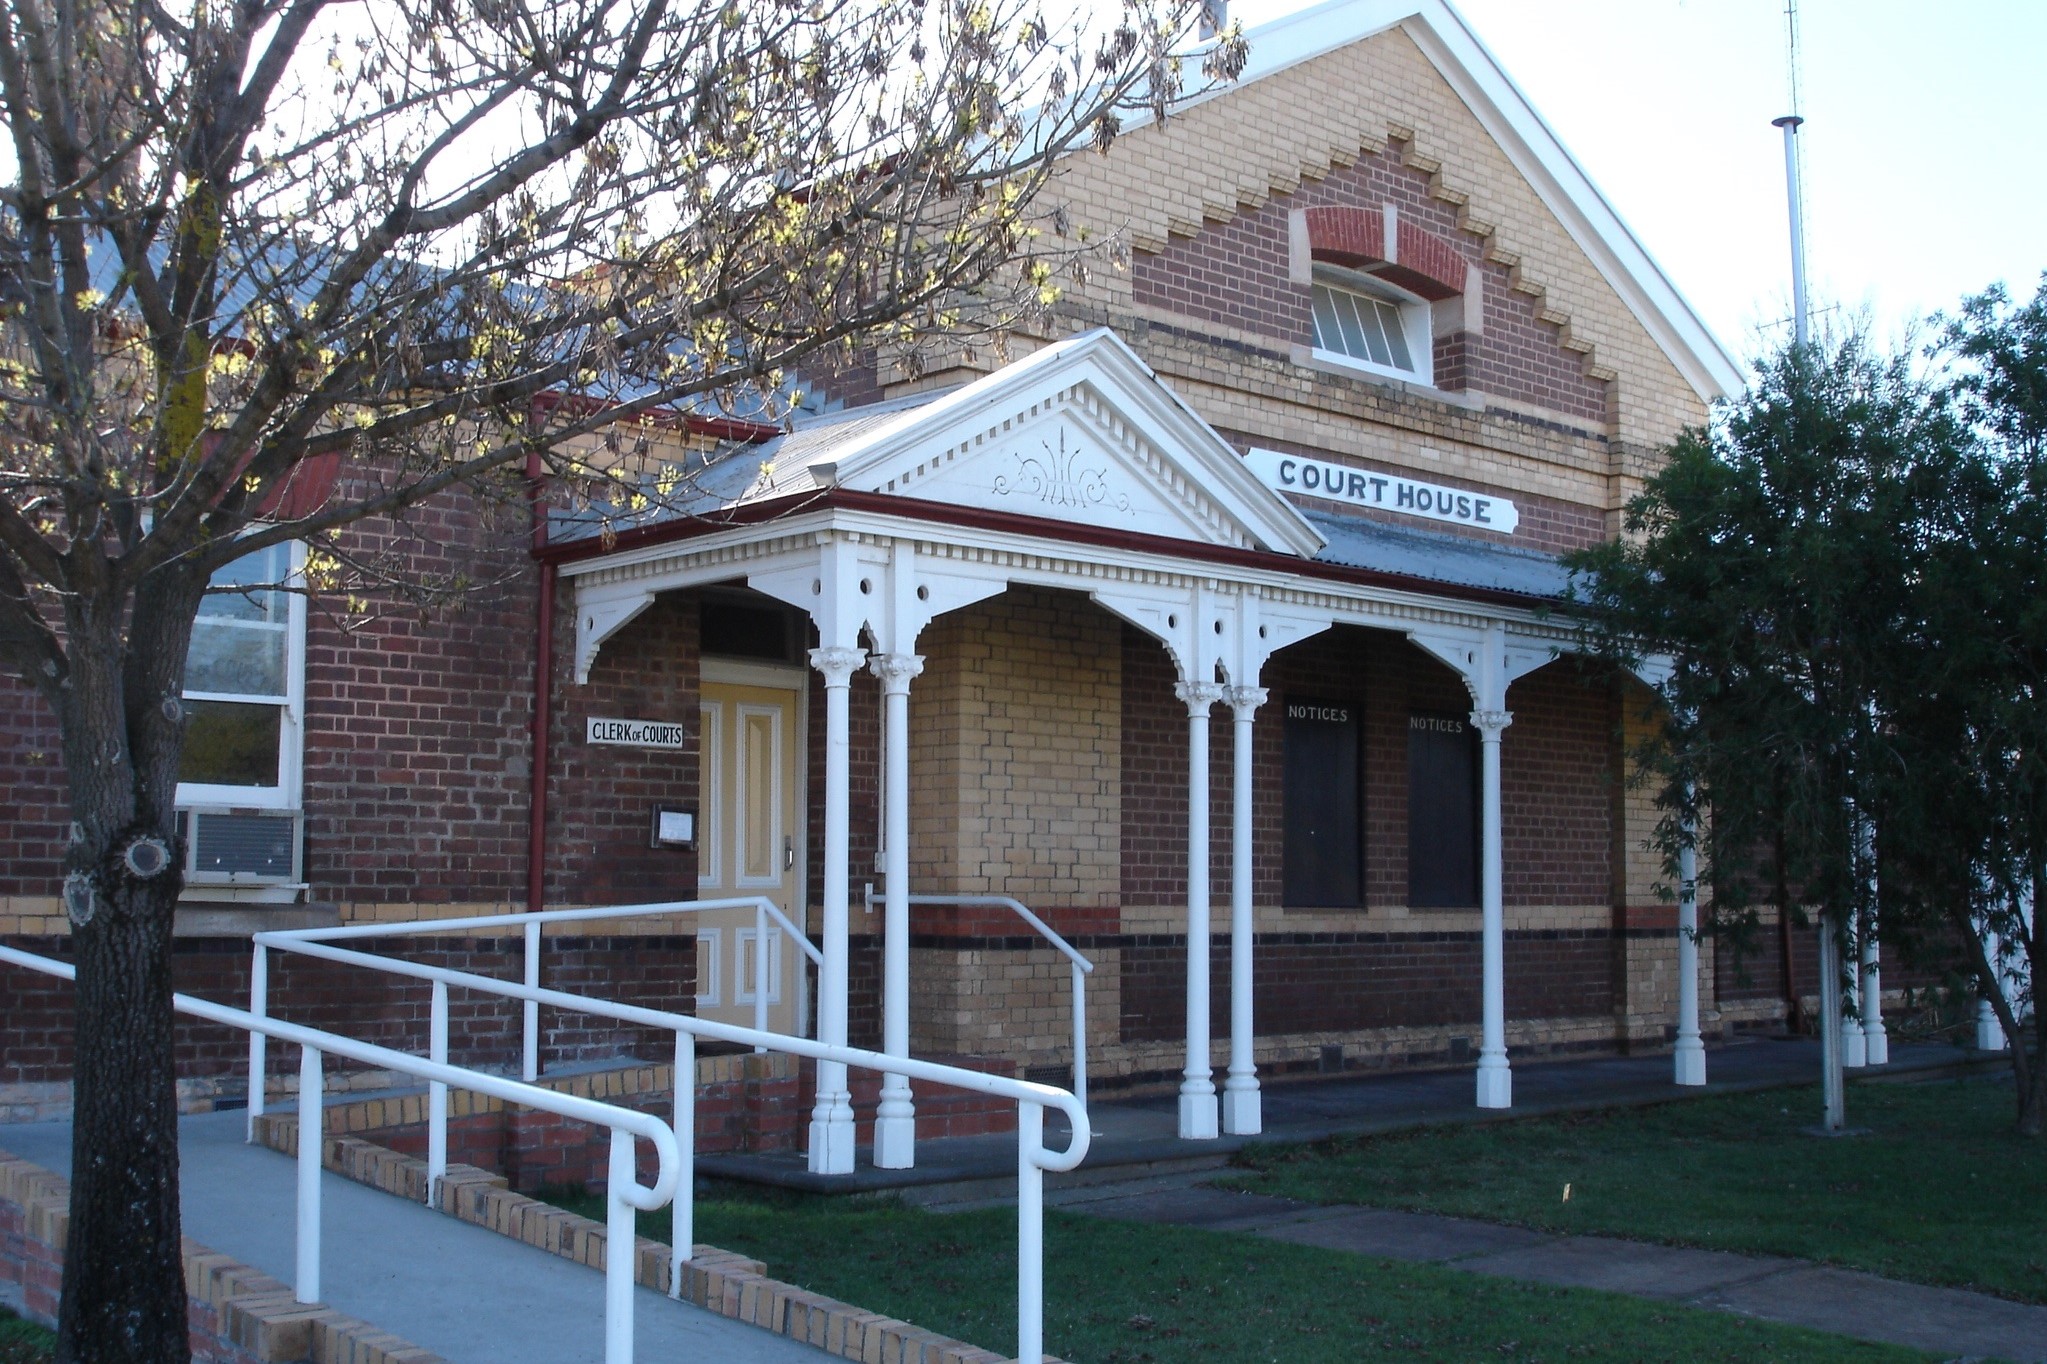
[(1418, 260)]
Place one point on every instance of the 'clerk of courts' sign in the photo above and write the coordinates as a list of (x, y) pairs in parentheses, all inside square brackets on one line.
[(637, 733), (1382, 492)]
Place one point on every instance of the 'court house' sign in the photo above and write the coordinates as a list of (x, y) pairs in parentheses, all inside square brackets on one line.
[(1382, 492), (637, 733)]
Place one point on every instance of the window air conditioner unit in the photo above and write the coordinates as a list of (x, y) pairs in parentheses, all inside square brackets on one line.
[(242, 847)]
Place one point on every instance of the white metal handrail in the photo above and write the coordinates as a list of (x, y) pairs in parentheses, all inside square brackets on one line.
[(623, 1194), (1080, 965), (1034, 1160), (764, 912)]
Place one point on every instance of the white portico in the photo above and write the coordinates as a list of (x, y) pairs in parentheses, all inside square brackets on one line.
[(1073, 469)]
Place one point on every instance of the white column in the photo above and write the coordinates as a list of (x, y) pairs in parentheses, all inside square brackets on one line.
[(1197, 1090), (1876, 1043), (895, 1120), (1989, 1028), (1854, 1046), (1833, 1096), (1495, 1080), (1243, 1112), (1689, 1060), (831, 1121)]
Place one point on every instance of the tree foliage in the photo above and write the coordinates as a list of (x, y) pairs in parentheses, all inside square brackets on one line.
[(272, 267), (1843, 574)]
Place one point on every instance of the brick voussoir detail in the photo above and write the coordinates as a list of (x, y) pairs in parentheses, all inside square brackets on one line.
[(238, 1315), (717, 1280)]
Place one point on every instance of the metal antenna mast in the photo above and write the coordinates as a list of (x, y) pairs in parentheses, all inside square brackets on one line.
[(1801, 320)]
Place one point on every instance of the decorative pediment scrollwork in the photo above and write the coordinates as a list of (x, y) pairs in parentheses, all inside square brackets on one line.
[(1060, 478)]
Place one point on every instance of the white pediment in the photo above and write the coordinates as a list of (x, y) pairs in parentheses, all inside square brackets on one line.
[(1081, 433)]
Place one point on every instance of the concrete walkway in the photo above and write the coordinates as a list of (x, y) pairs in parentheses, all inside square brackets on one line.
[(459, 1290), (1795, 1292)]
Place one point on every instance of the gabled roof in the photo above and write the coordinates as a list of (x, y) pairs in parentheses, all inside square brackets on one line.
[(1080, 432), (1529, 144)]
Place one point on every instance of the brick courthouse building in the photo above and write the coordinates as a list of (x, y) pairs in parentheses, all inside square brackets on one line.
[(1225, 612)]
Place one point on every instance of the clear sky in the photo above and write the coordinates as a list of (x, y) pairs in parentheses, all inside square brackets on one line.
[(1925, 142)]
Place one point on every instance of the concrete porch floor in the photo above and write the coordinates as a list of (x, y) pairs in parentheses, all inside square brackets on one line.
[(1135, 1137)]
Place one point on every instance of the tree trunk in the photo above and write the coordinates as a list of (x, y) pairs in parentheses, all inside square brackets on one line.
[(123, 714), (124, 1283)]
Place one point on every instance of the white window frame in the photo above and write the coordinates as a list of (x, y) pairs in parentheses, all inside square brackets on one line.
[(287, 796), (1417, 324)]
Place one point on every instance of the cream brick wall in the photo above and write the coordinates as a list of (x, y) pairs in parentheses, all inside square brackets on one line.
[(1016, 753), (1010, 1003)]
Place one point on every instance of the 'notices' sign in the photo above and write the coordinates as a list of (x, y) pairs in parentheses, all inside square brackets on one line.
[(638, 733)]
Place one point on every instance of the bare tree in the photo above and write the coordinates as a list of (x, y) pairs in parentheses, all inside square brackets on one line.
[(271, 267)]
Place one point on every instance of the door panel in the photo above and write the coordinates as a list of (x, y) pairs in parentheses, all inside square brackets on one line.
[(750, 785)]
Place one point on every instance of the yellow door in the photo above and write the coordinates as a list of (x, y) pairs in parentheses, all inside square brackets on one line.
[(749, 845)]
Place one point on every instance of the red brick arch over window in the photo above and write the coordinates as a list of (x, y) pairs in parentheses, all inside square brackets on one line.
[(1421, 263)]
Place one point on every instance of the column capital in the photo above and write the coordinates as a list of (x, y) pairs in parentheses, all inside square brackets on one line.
[(1490, 723), (896, 670), (1244, 700), (837, 664), (1200, 696)]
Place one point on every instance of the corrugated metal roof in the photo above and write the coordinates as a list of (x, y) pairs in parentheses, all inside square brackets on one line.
[(1436, 557)]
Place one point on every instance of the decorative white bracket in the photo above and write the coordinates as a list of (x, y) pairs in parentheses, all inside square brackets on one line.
[(600, 614)]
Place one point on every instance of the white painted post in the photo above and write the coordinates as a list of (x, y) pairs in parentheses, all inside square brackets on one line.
[(259, 1052), (529, 1063), (760, 971), (1197, 1090), (831, 1121), (1495, 1078), (682, 1211), (312, 1137), (1243, 1109), (437, 1096), (1030, 1233), (1833, 1093), (1876, 1041), (1854, 1047), (895, 1119), (621, 1244), (1079, 1032), (1689, 1059)]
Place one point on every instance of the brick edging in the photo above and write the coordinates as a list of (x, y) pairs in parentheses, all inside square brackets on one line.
[(717, 1280), (238, 1315)]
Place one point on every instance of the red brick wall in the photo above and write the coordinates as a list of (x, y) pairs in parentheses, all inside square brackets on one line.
[(1556, 770), (600, 798), (1322, 982), (418, 724), (1237, 274), (484, 1030), (32, 832)]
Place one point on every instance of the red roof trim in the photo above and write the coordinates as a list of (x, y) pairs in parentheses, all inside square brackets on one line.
[(717, 428), (942, 513)]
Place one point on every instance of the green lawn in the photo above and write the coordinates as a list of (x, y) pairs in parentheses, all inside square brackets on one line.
[(1120, 1293), (24, 1342), (1941, 1190)]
